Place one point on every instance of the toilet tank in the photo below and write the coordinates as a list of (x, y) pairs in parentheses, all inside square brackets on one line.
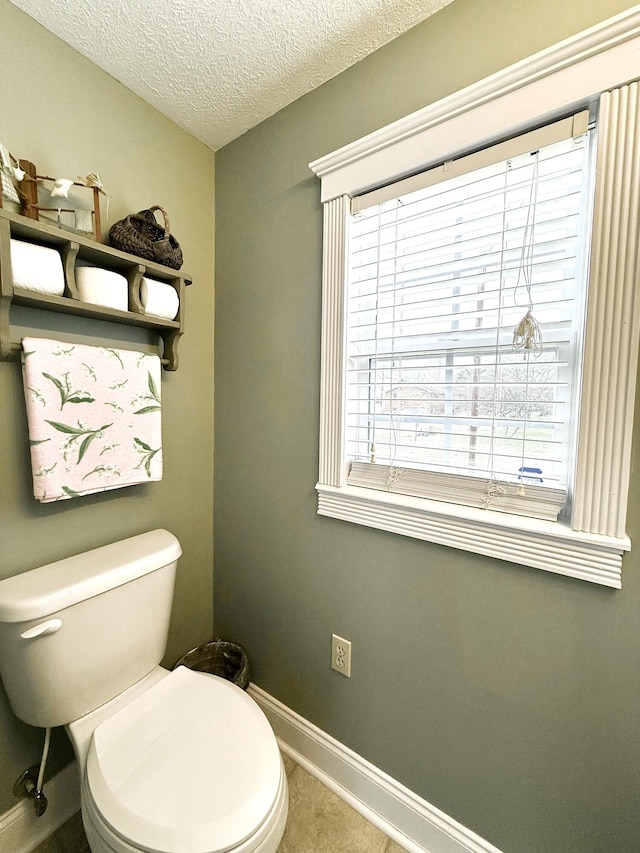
[(78, 632)]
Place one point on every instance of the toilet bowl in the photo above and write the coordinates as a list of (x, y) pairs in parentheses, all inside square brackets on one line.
[(170, 761)]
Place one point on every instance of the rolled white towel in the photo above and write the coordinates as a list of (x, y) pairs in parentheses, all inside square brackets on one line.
[(159, 299), (103, 287), (37, 268)]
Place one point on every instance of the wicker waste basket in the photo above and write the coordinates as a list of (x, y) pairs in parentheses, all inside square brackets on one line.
[(219, 657)]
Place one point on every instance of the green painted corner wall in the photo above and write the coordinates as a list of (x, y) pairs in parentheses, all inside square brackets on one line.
[(69, 118), (505, 696)]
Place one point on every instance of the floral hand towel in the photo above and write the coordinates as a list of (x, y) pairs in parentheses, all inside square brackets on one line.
[(94, 417)]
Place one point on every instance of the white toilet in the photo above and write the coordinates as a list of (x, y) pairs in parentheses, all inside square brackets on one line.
[(170, 762)]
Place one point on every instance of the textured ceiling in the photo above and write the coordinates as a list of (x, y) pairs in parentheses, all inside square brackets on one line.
[(219, 67)]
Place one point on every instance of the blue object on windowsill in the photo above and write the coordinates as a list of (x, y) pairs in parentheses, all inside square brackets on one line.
[(533, 475)]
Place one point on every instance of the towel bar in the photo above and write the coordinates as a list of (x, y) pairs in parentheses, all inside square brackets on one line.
[(16, 347)]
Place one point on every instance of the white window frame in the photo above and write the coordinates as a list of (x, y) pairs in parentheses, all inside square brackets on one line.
[(574, 74)]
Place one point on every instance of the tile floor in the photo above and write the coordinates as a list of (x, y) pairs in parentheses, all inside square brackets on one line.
[(319, 822)]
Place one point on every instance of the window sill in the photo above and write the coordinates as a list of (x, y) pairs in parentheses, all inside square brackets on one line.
[(546, 545)]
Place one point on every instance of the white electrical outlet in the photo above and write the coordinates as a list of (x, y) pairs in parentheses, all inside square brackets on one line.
[(341, 655)]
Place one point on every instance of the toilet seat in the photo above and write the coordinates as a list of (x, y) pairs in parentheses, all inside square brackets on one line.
[(189, 766)]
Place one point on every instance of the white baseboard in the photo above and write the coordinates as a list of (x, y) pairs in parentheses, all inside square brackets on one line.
[(409, 820), (21, 831)]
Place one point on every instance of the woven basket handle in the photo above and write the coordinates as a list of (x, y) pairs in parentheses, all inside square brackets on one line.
[(167, 227), (161, 248)]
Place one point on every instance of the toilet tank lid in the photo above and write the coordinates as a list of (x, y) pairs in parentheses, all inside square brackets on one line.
[(48, 589)]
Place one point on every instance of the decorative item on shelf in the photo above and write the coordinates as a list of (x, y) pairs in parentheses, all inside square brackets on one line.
[(86, 221), (94, 182), (10, 173), (140, 234)]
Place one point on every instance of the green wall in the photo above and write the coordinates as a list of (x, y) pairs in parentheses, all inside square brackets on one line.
[(506, 696), (69, 118)]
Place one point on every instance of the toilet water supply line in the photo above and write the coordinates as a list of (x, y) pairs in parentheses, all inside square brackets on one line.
[(30, 783), (39, 799)]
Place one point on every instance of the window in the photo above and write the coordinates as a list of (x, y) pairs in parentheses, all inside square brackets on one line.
[(432, 424), (465, 327)]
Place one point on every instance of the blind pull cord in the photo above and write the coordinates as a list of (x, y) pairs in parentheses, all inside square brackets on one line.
[(527, 335)]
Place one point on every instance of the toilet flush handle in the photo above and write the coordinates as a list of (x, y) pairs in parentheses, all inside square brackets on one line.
[(48, 627)]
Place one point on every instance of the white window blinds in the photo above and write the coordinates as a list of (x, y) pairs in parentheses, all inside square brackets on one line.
[(466, 299)]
